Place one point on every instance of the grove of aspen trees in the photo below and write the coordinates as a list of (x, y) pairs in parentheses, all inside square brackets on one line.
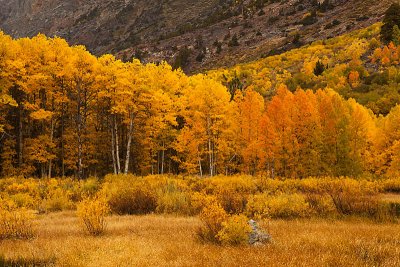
[(65, 112)]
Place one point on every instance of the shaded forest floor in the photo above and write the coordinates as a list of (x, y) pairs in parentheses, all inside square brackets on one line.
[(157, 240)]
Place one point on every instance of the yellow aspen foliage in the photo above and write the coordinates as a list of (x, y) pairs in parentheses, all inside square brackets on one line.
[(202, 145), (65, 112), (250, 108), (354, 78)]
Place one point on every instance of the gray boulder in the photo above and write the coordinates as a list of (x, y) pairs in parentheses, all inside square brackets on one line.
[(257, 236)]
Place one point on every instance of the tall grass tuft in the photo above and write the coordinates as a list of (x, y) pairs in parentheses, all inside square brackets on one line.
[(92, 213), (16, 223)]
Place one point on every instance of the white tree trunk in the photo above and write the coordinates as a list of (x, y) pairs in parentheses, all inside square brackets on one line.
[(113, 149), (117, 146), (128, 146)]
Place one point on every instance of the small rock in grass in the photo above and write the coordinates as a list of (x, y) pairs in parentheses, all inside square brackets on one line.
[(258, 237)]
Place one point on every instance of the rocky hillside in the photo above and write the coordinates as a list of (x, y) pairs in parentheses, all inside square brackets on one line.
[(193, 34)]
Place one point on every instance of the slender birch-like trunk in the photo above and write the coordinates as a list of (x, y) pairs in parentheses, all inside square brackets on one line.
[(128, 146), (117, 146)]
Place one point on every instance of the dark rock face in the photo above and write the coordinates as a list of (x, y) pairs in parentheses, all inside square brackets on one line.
[(156, 30), (102, 25)]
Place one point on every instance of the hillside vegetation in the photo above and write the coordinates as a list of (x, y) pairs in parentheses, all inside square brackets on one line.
[(356, 65), (67, 112), (292, 159), (196, 34)]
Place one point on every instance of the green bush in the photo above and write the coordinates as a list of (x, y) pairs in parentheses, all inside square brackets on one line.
[(391, 19)]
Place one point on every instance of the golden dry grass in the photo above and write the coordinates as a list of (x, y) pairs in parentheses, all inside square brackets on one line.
[(156, 240), (393, 198)]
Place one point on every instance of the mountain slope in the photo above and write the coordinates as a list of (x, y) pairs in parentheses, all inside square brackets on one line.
[(356, 65), (201, 34)]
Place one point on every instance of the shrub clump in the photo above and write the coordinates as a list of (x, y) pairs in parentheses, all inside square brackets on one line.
[(353, 198), (133, 200), (232, 192), (57, 200), (321, 204), (221, 228), (172, 199), (129, 194), (391, 185), (16, 223), (279, 206), (92, 213), (235, 231), (212, 216)]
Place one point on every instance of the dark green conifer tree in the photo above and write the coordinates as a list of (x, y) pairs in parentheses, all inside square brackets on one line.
[(392, 18)]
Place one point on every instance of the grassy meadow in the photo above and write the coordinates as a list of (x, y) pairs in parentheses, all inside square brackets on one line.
[(159, 240), (156, 221)]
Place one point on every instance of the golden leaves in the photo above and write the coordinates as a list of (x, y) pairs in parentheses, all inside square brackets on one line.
[(41, 114)]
